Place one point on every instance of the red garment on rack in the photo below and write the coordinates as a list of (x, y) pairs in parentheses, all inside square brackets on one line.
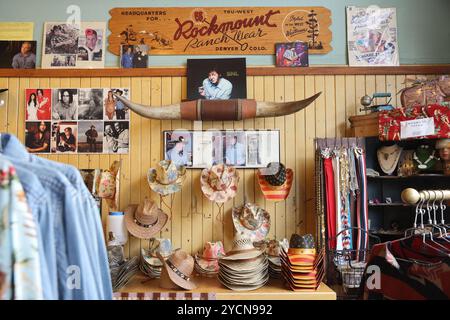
[(331, 202)]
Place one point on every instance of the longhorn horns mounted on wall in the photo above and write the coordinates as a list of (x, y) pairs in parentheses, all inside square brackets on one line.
[(219, 110)]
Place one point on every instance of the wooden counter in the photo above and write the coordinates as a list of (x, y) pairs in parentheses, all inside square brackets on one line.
[(274, 290)]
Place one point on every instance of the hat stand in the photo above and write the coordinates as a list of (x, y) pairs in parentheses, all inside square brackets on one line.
[(221, 213), (168, 205)]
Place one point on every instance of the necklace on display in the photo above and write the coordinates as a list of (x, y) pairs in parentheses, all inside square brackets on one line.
[(423, 165), (388, 158)]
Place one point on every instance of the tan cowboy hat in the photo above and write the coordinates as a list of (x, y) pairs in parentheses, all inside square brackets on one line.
[(166, 178), (252, 221), (242, 249), (179, 269), (145, 220), (219, 183)]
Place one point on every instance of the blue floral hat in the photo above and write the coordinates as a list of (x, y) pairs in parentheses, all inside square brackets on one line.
[(166, 178)]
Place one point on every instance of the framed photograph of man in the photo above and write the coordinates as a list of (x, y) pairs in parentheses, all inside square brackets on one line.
[(38, 104), (178, 147), (113, 108), (37, 136), (292, 54), (90, 136), (239, 148), (18, 54), (90, 104), (68, 45), (134, 56), (216, 79), (116, 138), (64, 137), (65, 104)]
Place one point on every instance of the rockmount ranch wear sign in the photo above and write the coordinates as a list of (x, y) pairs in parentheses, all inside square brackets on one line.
[(195, 31)]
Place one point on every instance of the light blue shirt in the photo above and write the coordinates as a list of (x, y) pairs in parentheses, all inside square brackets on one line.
[(77, 226), (235, 155), (221, 91), (177, 159)]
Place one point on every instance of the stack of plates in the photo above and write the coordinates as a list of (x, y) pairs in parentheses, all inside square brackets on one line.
[(275, 267), (302, 269), (149, 265), (244, 274), (206, 268)]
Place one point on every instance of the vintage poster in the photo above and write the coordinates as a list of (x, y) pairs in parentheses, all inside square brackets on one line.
[(219, 30), (372, 36), (76, 120), (73, 46)]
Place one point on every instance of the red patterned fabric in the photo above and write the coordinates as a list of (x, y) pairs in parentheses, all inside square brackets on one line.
[(389, 121)]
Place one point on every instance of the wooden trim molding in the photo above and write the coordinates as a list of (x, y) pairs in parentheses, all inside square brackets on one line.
[(251, 71)]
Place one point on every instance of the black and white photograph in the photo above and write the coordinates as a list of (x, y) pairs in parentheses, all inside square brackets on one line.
[(113, 108), (90, 136), (37, 136), (116, 137), (216, 79), (63, 60), (18, 54), (90, 104), (68, 45), (64, 137), (65, 104), (134, 56), (263, 147), (253, 149), (235, 151), (178, 147)]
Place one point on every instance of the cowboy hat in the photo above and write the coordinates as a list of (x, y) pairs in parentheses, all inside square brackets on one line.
[(208, 260), (242, 249), (219, 183), (166, 178), (145, 220), (252, 221), (275, 181), (178, 268), (161, 245)]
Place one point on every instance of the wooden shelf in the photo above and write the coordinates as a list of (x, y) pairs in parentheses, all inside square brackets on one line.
[(273, 290), (399, 204), (251, 71)]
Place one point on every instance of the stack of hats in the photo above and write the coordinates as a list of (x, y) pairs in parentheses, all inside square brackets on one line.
[(244, 267), (302, 267), (150, 264), (207, 263), (273, 253), (177, 271)]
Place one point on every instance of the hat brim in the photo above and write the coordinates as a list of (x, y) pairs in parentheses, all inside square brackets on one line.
[(243, 265), (242, 254), (255, 235), (143, 232), (276, 193), (242, 287), (165, 189), (187, 285), (218, 196)]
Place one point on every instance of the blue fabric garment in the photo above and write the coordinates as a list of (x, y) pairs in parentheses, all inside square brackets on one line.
[(19, 248), (80, 226), (220, 91), (119, 105)]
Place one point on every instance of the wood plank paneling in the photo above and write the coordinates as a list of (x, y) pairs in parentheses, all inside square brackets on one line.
[(194, 218)]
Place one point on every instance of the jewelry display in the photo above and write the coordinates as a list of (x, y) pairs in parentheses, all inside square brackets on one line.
[(388, 157), (424, 157)]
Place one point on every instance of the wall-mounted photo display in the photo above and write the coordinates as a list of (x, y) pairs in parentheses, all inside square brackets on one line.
[(76, 120), (239, 148), (73, 46), (18, 54), (292, 54), (134, 56), (216, 79)]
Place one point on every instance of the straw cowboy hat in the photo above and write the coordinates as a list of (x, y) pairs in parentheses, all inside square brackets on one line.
[(252, 221), (145, 220), (163, 246), (242, 249), (166, 178), (178, 269), (209, 259), (275, 181), (219, 183)]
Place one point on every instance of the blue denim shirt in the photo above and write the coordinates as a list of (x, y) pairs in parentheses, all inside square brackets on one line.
[(80, 226)]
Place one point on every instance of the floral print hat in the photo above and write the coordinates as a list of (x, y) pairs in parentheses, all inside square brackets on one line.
[(166, 178)]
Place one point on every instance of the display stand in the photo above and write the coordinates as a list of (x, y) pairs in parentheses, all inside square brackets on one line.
[(273, 290)]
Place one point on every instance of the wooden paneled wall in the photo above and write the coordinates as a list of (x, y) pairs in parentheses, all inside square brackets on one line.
[(194, 219)]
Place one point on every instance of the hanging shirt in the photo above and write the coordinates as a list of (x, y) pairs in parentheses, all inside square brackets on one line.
[(20, 275), (79, 227)]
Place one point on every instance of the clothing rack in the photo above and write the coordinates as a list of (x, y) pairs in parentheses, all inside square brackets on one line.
[(412, 196), (323, 143)]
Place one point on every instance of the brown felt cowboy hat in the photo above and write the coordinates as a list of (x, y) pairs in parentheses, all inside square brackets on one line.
[(145, 220), (179, 269)]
